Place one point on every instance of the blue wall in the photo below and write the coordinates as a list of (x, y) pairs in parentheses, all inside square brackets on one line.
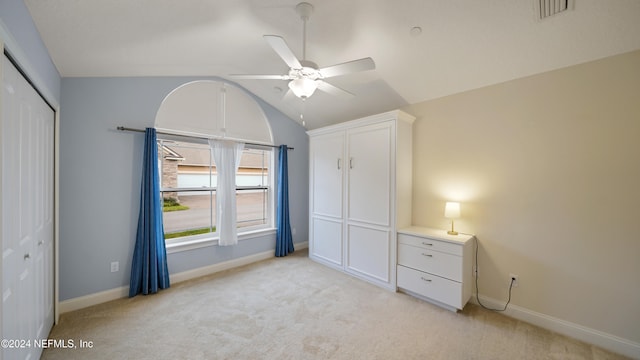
[(100, 181), (23, 42)]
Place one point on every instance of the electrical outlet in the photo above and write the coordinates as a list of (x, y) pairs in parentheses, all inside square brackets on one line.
[(513, 279), (115, 266)]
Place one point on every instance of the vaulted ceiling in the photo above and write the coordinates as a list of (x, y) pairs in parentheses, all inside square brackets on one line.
[(462, 45)]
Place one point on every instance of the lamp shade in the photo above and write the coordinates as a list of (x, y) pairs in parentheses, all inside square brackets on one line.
[(452, 210), (303, 87)]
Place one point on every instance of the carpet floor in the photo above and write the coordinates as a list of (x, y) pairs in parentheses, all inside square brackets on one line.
[(294, 308)]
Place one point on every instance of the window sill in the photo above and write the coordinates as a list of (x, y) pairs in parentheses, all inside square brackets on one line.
[(192, 243)]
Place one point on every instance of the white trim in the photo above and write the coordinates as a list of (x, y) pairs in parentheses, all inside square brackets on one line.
[(93, 299), (56, 224), (225, 265), (1, 181), (82, 302), (592, 336), (230, 264)]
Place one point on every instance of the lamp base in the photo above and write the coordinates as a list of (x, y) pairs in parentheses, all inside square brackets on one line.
[(451, 232)]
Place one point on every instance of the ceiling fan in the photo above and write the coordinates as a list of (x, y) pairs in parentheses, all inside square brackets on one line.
[(305, 76)]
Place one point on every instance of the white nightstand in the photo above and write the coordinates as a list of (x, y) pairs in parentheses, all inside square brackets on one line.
[(435, 266)]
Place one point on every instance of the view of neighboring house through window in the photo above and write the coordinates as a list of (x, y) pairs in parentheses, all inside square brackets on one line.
[(188, 182)]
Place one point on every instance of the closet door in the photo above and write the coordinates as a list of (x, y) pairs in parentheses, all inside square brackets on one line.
[(326, 220), (369, 177), (369, 193), (27, 164)]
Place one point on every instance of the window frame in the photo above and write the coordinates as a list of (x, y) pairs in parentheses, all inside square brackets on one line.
[(192, 242)]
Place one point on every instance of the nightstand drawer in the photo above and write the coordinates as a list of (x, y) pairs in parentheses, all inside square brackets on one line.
[(435, 262), (431, 286), (427, 243)]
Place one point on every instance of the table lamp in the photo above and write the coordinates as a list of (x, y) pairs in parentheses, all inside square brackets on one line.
[(452, 211)]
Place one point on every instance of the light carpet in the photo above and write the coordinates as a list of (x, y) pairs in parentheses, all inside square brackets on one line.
[(294, 308)]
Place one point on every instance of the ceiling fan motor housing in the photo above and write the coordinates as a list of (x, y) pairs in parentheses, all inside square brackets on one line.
[(309, 70)]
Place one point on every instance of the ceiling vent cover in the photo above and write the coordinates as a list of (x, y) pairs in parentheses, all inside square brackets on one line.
[(548, 8)]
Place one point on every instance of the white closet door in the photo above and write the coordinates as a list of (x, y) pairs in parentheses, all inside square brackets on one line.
[(327, 166), (369, 207), (369, 175), (326, 220), (43, 170), (368, 252), (27, 213), (327, 240)]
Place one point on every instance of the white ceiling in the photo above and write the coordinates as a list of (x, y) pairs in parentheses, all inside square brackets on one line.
[(465, 44)]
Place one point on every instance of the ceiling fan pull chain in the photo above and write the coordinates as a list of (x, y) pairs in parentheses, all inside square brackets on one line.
[(304, 124)]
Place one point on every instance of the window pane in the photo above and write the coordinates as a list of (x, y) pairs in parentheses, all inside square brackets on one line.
[(254, 168), (186, 166), (252, 209), (194, 215)]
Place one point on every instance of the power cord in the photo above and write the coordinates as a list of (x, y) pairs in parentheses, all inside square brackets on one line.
[(478, 296)]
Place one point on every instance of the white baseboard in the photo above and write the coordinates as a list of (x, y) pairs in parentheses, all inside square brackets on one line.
[(226, 265), (582, 333), (82, 302)]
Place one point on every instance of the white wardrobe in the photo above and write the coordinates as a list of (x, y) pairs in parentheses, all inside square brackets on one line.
[(360, 193), (26, 216)]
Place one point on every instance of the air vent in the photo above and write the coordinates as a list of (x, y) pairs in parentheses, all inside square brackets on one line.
[(548, 8)]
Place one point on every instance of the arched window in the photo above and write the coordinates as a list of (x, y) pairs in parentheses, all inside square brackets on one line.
[(195, 112)]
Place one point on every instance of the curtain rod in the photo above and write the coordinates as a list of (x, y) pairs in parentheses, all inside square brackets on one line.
[(122, 128)]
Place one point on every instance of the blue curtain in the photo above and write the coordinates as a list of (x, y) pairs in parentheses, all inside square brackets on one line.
[(284, 240), (149, 266)]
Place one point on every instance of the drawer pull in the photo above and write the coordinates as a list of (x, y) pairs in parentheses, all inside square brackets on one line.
[(427, 255), (424, 279), (426, 243)]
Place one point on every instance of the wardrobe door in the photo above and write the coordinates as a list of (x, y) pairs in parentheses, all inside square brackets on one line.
[(327, 165), (369, 193), (369, 253), (326, 187), (369, 174)]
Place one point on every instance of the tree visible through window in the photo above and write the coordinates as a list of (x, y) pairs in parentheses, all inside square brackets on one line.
[(188, 182)]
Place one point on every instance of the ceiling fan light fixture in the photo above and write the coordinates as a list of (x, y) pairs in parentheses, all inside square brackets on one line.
[(303, 87)]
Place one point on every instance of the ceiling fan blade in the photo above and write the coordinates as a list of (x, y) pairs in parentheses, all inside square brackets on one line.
[(280, 46), (259, 77), (332, 89), (348, 67)]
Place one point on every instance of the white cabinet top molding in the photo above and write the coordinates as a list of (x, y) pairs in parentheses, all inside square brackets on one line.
[(389, 115)]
